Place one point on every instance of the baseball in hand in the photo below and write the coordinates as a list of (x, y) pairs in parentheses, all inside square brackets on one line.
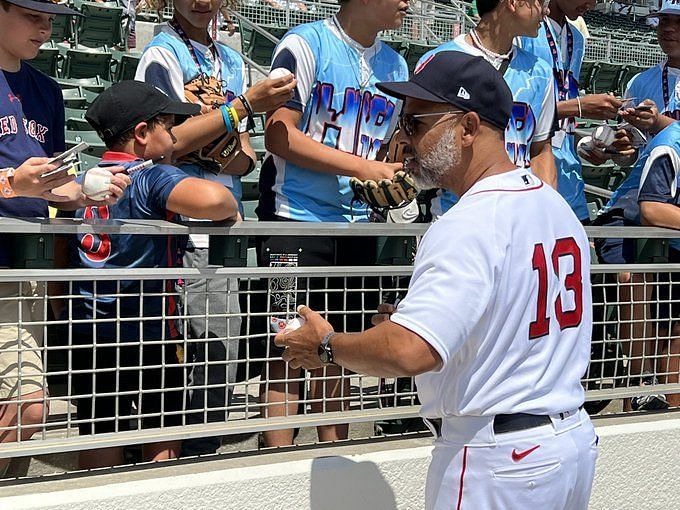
[(96, 183), (279, 72), (294, 324)]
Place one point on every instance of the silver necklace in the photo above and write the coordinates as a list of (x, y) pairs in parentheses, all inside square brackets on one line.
[(349, 42), (495, 59)]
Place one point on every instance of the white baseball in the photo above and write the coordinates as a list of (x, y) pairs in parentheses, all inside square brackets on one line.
[(279, 72), (96, 183), (295, 323)]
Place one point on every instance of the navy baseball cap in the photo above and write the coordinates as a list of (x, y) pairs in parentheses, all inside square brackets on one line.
[(465, 81), (46, 6), (127, 103)]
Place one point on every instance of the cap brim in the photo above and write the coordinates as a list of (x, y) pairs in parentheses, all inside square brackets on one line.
[(404, 89), (181, 111), (46, 7)]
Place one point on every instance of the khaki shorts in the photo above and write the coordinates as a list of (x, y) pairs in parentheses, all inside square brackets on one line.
[(21, 363)]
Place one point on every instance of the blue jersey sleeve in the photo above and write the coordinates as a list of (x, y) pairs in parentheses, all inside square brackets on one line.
[(658, 183), (155, 187)]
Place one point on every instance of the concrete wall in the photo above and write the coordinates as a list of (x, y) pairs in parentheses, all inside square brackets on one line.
[(639, 468)]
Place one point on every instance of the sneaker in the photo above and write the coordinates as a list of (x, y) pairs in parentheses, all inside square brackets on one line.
[(651, 402)]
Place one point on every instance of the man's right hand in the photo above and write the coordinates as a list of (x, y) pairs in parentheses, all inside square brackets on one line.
[(28, 180), (269, 94), (600, 106)]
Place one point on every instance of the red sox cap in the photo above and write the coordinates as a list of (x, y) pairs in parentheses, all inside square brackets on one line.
[(465, 81)]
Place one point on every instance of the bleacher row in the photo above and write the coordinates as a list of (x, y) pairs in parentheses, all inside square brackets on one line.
[(619, 27)]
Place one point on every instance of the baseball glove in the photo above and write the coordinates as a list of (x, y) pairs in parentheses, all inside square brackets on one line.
[(386, 193), (217, 155)]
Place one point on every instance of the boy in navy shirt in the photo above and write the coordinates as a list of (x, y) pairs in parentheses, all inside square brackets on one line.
[(31, 128), (135, 120)]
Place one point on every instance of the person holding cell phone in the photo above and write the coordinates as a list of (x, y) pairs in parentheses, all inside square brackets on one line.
[(31, 130)]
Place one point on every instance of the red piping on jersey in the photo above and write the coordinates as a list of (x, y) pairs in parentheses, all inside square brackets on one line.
[(462, 476), (508, 190), (123, 157)]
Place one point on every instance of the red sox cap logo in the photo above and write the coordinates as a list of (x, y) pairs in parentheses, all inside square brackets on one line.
[(12, 98), (422, 65)]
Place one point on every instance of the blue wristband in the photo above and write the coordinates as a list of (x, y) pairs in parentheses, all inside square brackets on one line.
[(225, 116)]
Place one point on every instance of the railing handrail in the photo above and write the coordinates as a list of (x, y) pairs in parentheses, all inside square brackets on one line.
[(270, 228)]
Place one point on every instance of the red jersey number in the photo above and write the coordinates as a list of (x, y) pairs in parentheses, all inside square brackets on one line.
[(573, 282)]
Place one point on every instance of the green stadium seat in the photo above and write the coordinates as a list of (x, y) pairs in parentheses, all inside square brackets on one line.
[(260, 48), (87, 63), (62, 28), (397, 45), (89, 95), (599, 176), (101, 25), (87, 161), (628, 73), (587, 70), (46, 60), (91, 84), (76, 113), (96, 147), (127, 66), (74, 99), (249, 207), (607, 79), (78, 124)]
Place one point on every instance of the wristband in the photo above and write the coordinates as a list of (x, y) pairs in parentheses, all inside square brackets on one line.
[(5, 186), (224, 109), (251, 116), (233, 116), (580, 112)]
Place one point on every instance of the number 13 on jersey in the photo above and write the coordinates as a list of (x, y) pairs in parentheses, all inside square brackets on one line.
[(573, 282)]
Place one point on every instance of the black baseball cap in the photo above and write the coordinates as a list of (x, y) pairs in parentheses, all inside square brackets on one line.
[(46, 6), (129, 102), (465, 81)]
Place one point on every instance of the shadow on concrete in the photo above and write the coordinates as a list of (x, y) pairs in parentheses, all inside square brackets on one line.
[(338, 483)]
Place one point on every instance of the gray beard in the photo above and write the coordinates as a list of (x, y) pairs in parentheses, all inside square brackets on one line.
[(433, 167)]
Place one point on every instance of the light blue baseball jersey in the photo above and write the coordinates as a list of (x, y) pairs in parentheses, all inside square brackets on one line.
[(626, 196), (649, 84), (533, 111), (341, 108), (167, 64), (570, 47)]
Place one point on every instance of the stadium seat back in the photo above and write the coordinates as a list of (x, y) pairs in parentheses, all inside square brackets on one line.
[(607, 78), (96, 145), (87, 64), (101, 25), (127, 66), (586, 77), (73, 98), (62, 28), (47, 60)]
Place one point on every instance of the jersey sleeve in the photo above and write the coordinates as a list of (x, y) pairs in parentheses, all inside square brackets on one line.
[(160, 68), (295, 54), (451, 287), (158, 183), (545, 125), (658, 179)]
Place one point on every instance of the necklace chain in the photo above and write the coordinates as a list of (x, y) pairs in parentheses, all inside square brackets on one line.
[(496, 59), (349, 42)]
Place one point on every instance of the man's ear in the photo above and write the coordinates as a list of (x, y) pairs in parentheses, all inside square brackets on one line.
[(141, 133), (470, 123)]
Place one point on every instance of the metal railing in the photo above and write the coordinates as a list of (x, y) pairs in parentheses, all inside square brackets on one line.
[(128, 373)]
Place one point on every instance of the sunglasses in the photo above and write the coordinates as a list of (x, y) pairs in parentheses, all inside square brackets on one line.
[(408, 123)]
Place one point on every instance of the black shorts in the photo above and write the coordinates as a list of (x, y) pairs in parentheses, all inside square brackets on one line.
[(666, 302), (349, 302), (615, 251), (115, 389)]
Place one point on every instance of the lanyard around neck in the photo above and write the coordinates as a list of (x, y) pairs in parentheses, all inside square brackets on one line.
[(563, 74), (187, 42)]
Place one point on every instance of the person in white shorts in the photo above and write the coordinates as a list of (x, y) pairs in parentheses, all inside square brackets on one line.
[(497, 320)]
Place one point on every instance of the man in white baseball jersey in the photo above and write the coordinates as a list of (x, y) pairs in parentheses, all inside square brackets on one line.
[(496, 323)]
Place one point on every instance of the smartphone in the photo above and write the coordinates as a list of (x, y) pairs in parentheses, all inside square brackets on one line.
[(64, 156), (643, 108)]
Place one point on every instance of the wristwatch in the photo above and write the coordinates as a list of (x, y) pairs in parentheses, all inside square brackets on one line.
[(325, 349), (5, 185)]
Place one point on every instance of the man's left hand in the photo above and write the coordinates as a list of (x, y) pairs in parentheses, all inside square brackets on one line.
[(302, 344)]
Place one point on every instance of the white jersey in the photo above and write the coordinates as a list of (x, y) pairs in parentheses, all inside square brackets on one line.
[(504, 298)]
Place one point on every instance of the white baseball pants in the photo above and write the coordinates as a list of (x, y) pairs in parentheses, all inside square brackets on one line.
[(549, 467)]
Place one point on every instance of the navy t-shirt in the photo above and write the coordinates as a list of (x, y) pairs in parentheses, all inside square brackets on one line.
[(31, 125), (145, 198)]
